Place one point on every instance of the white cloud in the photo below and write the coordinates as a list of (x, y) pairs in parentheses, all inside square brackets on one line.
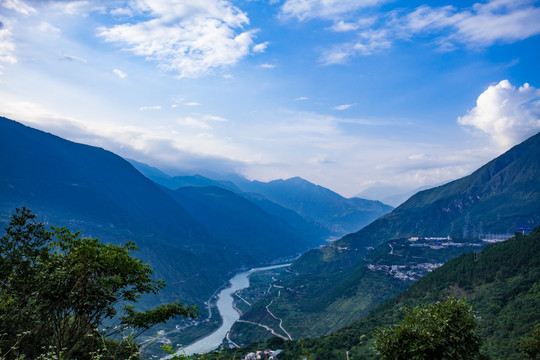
[(146, 108), (343, 26), (200, 121), (120, 73), (7, 46), (121, 12), (506, 113), (481, 25), (343, 107), (192, 122), (259, 48), (268, 66), (191, 37), (484, 24), (302, 98), (308, 9), (213, 118), (48, 28), (192, 103), (81, 8), (368, 42), (18, 6)]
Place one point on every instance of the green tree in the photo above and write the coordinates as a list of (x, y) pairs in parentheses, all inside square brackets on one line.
[(530, 345), (444, 330), (72, 297)]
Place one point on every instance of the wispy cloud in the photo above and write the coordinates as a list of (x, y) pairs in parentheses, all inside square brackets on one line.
[(200, 121), (343, 107), (18, 6), (268, 66), (120, 73), (506, 113), (48, 28), (368, 42), (191, 37), (302, 98), (309, 9), (192, 122), (344, 26), (259, 48), (484, 24), (7, 45), (76, 7), (449, 27), (146, 108), (192, 103)]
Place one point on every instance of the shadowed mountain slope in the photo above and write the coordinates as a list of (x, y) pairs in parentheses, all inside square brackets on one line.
[(93, 190), (242, 225)]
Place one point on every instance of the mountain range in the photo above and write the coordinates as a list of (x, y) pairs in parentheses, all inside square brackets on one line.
[(314, 203), (194, 231), (332, 286)]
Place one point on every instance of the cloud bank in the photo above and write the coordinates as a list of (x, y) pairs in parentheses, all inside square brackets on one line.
[(506, 113), (190, 37)]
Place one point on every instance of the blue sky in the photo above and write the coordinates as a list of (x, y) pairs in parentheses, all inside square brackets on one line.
[(345, 93)]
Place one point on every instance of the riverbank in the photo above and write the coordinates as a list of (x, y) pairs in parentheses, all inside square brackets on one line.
[(226, 309)]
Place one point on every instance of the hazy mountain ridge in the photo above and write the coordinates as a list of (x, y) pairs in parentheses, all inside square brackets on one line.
[(319, 204), (175, 182), (314, 203)]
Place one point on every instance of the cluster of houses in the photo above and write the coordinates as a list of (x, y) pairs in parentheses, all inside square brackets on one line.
[(406, 272)]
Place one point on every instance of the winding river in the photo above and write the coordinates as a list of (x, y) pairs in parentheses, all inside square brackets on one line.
[(228, 313)]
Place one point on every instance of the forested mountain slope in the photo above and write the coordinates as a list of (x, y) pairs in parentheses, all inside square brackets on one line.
[(501, 282)]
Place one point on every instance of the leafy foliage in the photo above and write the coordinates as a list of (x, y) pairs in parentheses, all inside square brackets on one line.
[(67, 295), (530, 345), (443, 330)]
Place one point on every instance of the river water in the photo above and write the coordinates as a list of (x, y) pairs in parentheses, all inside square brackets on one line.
[(227, 311)]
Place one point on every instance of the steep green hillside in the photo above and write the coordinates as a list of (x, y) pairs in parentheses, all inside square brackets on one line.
[(501, 282), (497, 198)]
